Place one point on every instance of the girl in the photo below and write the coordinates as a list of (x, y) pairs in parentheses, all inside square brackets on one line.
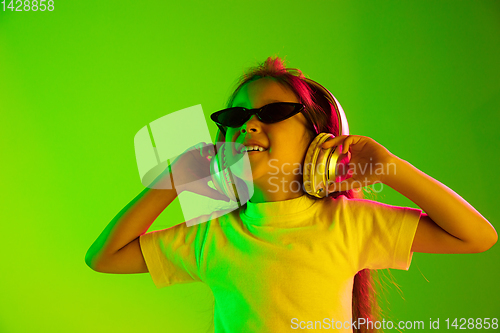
[(286, 260)]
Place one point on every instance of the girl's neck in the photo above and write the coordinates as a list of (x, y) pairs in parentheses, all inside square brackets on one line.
[(267, 196)]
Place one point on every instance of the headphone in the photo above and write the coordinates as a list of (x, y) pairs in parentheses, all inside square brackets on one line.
[(321, 167)]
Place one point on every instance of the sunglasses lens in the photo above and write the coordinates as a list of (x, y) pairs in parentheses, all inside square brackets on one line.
[(277, 112), (271, 113), (231, 117)]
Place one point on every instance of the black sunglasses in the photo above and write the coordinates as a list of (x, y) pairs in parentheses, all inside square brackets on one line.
[(270, 113)]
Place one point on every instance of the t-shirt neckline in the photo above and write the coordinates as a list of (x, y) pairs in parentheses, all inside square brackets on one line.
[(263, 210)]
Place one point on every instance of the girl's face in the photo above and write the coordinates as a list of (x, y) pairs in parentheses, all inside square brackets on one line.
[(276, 171)]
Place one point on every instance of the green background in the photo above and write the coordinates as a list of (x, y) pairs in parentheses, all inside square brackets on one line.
[(77, 83)]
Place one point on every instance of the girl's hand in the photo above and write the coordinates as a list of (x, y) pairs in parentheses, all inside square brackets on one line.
[(369, 164), (191, 170)]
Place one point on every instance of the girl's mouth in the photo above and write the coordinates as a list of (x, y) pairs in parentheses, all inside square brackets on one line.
[(253, 152)]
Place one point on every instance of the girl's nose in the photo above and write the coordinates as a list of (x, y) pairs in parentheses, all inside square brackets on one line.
[(251, 124)]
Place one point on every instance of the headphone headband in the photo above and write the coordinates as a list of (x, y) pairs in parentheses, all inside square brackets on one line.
[(344, 126)]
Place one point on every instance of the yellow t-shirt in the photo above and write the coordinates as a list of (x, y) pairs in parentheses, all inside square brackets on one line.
[(275, 266)]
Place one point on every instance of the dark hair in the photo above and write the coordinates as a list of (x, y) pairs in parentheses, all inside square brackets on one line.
[(321, 114)]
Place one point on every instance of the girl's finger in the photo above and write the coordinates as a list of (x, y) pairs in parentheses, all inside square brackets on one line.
[(351, 140), (202, 147), (345, 145), (333, 142), (198, 146), (207, 150)]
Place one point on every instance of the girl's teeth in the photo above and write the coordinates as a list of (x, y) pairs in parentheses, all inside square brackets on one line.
[(254, 148)]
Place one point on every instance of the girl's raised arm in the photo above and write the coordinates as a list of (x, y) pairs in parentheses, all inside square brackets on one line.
[(450, 225), (117, 249)]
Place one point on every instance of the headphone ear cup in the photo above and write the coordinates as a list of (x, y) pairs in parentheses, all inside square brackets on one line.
[(221, 175), (309, 174), (228, 182), (322, 167), (214, 172)]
